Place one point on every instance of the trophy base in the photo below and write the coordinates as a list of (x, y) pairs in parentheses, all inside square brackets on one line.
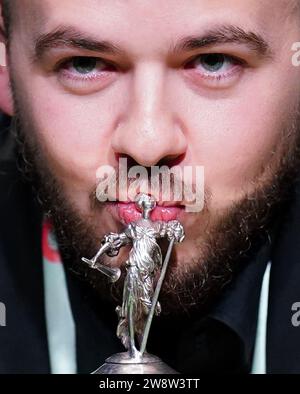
[(122, 363)]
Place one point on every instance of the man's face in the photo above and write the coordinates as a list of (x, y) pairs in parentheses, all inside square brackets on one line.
[(198, 82)]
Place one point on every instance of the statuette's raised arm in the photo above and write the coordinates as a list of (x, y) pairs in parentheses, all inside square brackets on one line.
[(116, 241)]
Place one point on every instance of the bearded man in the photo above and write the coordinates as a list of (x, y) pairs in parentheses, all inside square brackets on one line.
[(207, 83)]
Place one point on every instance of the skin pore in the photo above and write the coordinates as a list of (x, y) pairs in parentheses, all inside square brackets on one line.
[(204, 82)]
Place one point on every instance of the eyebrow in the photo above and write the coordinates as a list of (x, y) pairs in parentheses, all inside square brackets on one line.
[(70, 37), (226, 34)]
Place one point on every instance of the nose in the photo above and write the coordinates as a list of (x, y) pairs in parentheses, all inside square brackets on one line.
[(148, 130)]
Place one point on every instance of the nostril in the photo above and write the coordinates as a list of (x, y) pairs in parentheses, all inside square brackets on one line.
[(171, 160)]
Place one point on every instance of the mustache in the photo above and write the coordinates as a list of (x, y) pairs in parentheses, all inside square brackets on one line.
[(175, 186)]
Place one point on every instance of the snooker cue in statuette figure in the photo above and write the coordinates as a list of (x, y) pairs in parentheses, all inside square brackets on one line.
[(140, 298)]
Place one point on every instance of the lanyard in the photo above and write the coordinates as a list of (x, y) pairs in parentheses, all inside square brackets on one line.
[(59, 319), (259, 364)]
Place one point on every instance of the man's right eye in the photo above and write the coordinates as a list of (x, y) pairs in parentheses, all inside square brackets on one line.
[(84, 73), (86, 66)]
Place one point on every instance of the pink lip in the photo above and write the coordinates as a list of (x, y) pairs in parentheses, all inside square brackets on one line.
[(128, 213)]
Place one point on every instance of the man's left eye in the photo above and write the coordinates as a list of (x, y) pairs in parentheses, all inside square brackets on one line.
[(213, 63)]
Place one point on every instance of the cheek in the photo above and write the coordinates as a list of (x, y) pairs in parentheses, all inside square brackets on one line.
[(234, 141), (73, 130)]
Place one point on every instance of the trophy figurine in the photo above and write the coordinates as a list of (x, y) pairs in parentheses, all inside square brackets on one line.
[(140, 298)]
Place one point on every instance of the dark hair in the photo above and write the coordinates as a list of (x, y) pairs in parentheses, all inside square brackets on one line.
[(6, 15)]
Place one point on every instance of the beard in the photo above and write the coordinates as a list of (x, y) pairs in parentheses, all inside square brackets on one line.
[(229, 242)]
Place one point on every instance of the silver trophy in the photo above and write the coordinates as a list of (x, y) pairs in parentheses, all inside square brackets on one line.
[(140, 298)]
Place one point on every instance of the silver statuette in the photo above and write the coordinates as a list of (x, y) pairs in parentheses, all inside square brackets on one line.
[(140, 297)]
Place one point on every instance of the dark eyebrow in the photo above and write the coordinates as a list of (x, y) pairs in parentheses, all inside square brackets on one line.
[(68, 36), (71, 38), (223, 35)]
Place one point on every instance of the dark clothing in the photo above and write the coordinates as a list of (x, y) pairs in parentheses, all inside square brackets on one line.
[(222, 341)]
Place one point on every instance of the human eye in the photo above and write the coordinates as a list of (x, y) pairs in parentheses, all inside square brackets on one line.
[(215, 68), (85, 73)]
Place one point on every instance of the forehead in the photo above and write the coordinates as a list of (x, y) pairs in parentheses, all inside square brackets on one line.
[(151, 21)]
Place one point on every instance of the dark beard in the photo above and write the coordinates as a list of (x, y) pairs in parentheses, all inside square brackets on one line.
[(230, 244)]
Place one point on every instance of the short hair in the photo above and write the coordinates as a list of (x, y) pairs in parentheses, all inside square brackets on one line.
[(6, 15)]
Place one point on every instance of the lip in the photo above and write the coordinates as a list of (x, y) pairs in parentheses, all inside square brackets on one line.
[(128, 213)]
